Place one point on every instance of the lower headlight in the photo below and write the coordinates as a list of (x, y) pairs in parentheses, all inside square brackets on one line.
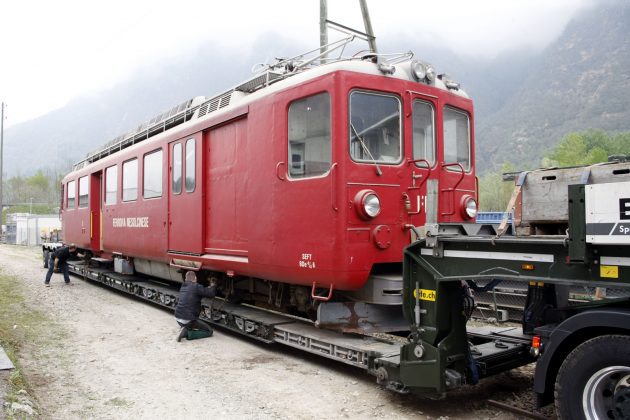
[(469, 207), (367, 204), (372, 205)]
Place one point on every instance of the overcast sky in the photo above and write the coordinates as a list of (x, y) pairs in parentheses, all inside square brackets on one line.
[(53, 51)]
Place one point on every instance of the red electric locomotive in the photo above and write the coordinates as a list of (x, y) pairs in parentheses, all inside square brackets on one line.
[(300, 185)]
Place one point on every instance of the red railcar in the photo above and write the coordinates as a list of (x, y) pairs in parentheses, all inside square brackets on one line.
[(311, 176)]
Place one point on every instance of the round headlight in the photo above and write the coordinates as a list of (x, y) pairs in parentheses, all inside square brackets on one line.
[(469, 207), (371, 205), (430, 73), (367, 204), (419, 70)]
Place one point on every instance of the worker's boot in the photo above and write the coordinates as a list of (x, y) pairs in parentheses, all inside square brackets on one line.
[(196, 334), (182, 333)]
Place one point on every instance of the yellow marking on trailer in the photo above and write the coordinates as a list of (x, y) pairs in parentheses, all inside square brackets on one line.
[(609, 271), (425, 294)]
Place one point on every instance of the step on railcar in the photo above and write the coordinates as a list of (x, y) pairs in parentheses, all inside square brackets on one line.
[(295, 189)]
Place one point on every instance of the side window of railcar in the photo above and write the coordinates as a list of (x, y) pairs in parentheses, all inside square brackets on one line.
[(190, 165), (111, 184), (130, 180), (309, 136), (176, 181), (423, 133), (83, 192), (374, 127), (71, 194), (456, 137), (153, 174)]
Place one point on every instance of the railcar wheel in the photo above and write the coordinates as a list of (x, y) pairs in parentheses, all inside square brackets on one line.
[(594, 380), (46, 256)]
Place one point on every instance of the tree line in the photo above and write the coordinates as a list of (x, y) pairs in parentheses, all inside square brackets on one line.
[(574, 149), (39, 193)]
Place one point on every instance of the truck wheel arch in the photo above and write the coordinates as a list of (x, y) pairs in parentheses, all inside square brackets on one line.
[(593, 381), (567, 336)]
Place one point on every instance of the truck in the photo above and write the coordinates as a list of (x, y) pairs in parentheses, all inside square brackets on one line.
[(576, 233)]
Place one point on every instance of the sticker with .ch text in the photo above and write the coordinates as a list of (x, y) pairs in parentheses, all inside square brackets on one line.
[(425, 294)]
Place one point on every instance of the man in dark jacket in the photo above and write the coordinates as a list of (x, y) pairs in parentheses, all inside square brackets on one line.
[(189, 306), (58, 261)]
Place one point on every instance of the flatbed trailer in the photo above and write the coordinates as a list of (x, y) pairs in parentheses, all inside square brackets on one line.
[(581, 349), (498, 349)]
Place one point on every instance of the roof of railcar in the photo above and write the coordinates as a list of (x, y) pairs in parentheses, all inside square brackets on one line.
[(263, 84)]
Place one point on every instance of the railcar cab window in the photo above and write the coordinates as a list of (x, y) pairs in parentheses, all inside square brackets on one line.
[(189, 181), (456, 138), (130, 180), (111, 184), (83, 192), (374, 127), (423, 123), (153, 174), (309, 136), (71, 194), (177, 169)]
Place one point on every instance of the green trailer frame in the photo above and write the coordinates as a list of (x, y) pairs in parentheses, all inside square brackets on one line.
[(441, 354)]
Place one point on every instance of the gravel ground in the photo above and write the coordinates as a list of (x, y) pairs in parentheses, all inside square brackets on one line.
[(106, 355)]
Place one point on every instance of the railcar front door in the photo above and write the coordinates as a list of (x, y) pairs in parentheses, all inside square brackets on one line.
[(422, 175), (305, 199), (457, 177), (185, 207)]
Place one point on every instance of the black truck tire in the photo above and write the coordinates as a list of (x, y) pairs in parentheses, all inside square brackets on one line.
[(594, 380)]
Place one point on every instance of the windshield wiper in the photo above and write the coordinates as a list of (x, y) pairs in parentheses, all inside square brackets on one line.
[(378, 170)]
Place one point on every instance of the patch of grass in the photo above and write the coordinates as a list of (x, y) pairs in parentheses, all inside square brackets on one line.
[(19, 325)]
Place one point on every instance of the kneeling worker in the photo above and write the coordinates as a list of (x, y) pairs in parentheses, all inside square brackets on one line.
[(189, 306)]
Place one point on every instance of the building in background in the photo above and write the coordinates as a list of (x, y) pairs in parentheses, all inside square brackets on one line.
[(31, 229)]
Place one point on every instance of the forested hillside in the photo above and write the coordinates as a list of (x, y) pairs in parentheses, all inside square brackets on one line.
[(581, 82)]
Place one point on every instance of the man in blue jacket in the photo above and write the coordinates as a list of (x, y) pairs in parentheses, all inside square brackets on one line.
[(58, 261), (189, 306)]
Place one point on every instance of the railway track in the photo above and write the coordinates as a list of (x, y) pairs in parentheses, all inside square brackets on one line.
[(516, 410)]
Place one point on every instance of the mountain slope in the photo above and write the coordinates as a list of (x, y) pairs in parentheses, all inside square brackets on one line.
[(582, 81)]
